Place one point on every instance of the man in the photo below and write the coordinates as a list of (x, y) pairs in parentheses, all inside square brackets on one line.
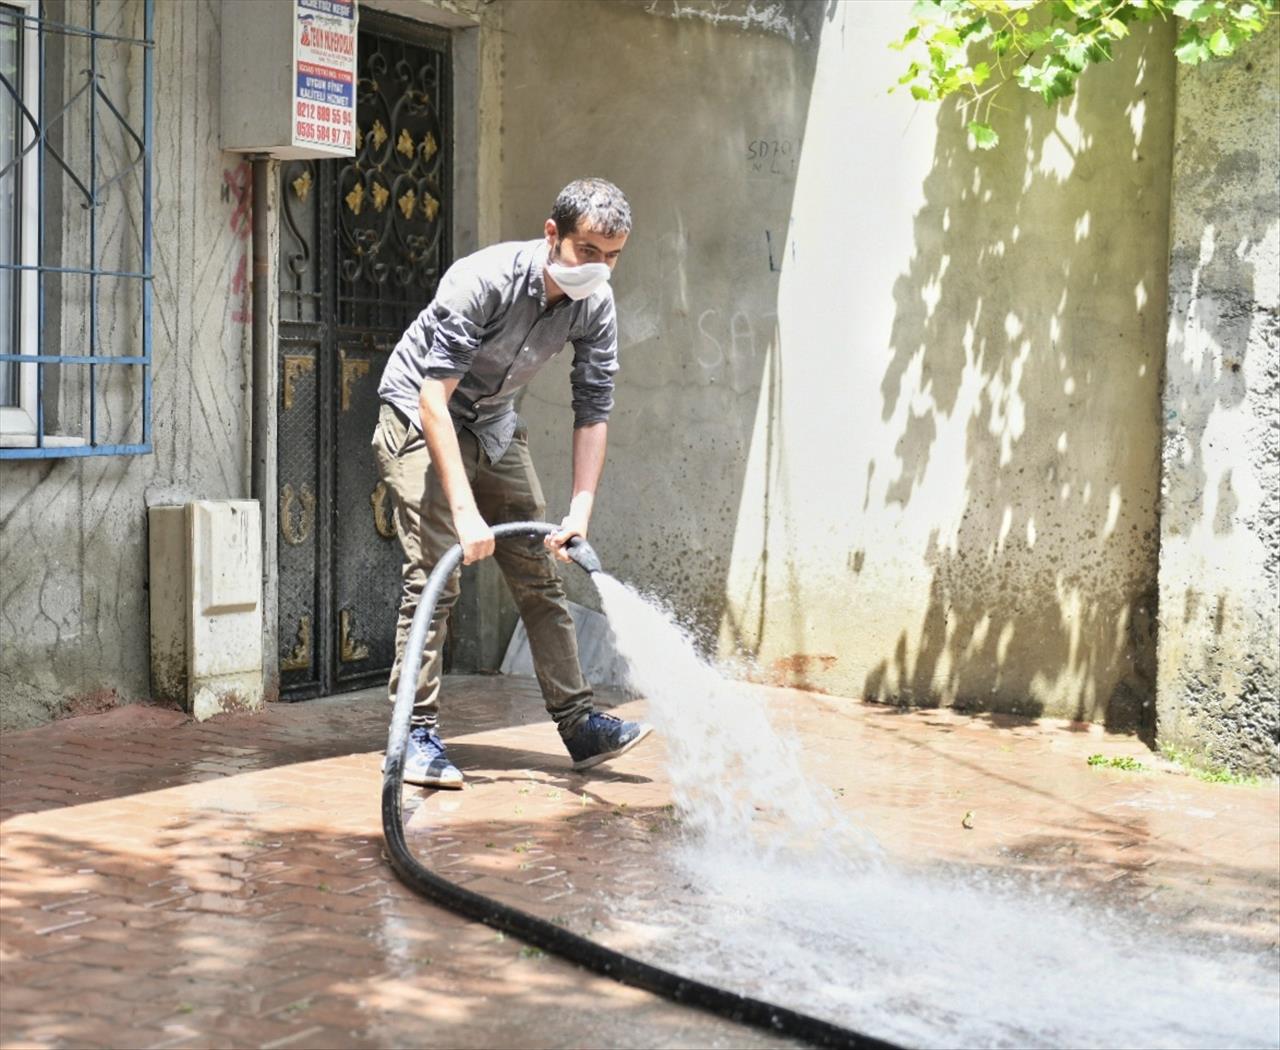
[(450, 447)]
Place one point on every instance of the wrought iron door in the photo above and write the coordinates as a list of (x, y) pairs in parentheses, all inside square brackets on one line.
[(363, 244)]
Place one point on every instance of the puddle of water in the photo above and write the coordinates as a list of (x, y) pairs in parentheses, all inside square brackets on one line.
[(784, 898)]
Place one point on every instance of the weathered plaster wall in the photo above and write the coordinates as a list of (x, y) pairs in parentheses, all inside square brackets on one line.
[(953, 483), (673, 110), (73, 576), (1219, 648), (888, 421), (73, 600)]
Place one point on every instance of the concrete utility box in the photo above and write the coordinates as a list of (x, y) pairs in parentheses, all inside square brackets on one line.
[(206, 606), (289, 77)]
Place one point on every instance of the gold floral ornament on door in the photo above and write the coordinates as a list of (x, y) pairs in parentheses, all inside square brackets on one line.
[(353, 369), (349, 650), (393, 190), (295, 366), (296, 532), (383, 511), (300, 658)]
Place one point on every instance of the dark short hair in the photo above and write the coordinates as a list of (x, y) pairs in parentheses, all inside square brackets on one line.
[(594, 203)]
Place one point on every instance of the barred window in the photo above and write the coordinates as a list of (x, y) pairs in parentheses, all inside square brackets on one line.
[(75, 227)]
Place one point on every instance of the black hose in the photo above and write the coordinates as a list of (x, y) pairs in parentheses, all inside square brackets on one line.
[(529, 928)]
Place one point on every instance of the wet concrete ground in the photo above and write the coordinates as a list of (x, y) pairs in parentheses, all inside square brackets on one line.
[(164, 883)]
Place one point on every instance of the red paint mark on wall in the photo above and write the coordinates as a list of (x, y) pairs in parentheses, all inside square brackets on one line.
[(237, 187), (794, 670), (240, 290)]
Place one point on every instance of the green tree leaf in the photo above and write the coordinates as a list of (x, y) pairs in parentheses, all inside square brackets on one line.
[(1193, 10), (1220, 44), (1045, 46), (910, 35), (983, 135), (1191, 49), (1077, 53), (977, 31)]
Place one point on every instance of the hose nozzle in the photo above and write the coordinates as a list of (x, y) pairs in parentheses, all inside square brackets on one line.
[(584, 554)]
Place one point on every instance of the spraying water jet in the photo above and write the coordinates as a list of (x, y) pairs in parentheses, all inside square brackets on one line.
[(539, 932)]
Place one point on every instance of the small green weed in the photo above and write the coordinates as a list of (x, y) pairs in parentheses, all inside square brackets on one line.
[(1129, 765), (529, 952), (1203, 769)]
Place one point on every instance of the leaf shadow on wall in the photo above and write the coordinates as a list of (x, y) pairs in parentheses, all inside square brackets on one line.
[(1031, 320)]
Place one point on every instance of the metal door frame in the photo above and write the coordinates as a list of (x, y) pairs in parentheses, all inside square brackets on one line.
[(324, 335)]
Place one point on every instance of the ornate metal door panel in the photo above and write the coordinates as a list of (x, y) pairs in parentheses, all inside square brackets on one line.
[(363, 244)]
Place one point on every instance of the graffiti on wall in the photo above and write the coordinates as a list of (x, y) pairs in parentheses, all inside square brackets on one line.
[(237, 189), (772, 158)]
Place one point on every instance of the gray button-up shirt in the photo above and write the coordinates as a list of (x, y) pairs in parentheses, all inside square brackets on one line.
[(490, 324)]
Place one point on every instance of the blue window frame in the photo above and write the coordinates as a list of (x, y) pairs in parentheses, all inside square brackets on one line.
[(76, 136)]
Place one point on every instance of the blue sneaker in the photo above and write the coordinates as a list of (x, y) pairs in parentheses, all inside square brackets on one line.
[(425, 762), (600, 737)]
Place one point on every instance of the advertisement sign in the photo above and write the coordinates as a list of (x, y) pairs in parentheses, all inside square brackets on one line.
[(324, 67)]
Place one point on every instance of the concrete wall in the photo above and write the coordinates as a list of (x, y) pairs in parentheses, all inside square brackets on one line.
[(1219, 668), (674, 116), (888, 422), (73, 544)]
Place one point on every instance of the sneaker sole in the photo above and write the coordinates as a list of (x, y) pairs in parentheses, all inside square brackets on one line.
[(452, 785), (595, 760)]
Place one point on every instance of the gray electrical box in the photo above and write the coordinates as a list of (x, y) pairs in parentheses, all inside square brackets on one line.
[(289, 77)]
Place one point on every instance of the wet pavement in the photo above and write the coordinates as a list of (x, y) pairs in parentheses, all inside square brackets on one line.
[(168, 884)]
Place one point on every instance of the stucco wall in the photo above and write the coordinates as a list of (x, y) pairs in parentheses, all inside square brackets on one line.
[(1219, 666), (73, 602), (73, 546), (889, 424), (673, 116)]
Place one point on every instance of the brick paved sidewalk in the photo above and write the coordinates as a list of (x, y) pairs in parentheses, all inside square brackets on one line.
[(172, 884)]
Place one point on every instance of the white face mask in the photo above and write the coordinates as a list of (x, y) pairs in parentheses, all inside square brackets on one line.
[(578, 282)]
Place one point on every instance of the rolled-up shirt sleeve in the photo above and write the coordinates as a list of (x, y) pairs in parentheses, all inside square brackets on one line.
[(453, 325), (595, 362)]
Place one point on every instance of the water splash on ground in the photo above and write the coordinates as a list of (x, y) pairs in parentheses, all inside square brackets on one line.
[(787, 899)]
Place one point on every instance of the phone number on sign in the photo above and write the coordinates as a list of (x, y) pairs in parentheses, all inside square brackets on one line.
[(330, 136)]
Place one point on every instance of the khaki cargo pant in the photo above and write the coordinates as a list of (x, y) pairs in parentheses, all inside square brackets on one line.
[(505, 491)]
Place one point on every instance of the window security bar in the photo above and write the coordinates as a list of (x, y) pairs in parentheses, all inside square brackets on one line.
[(36, 252)]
